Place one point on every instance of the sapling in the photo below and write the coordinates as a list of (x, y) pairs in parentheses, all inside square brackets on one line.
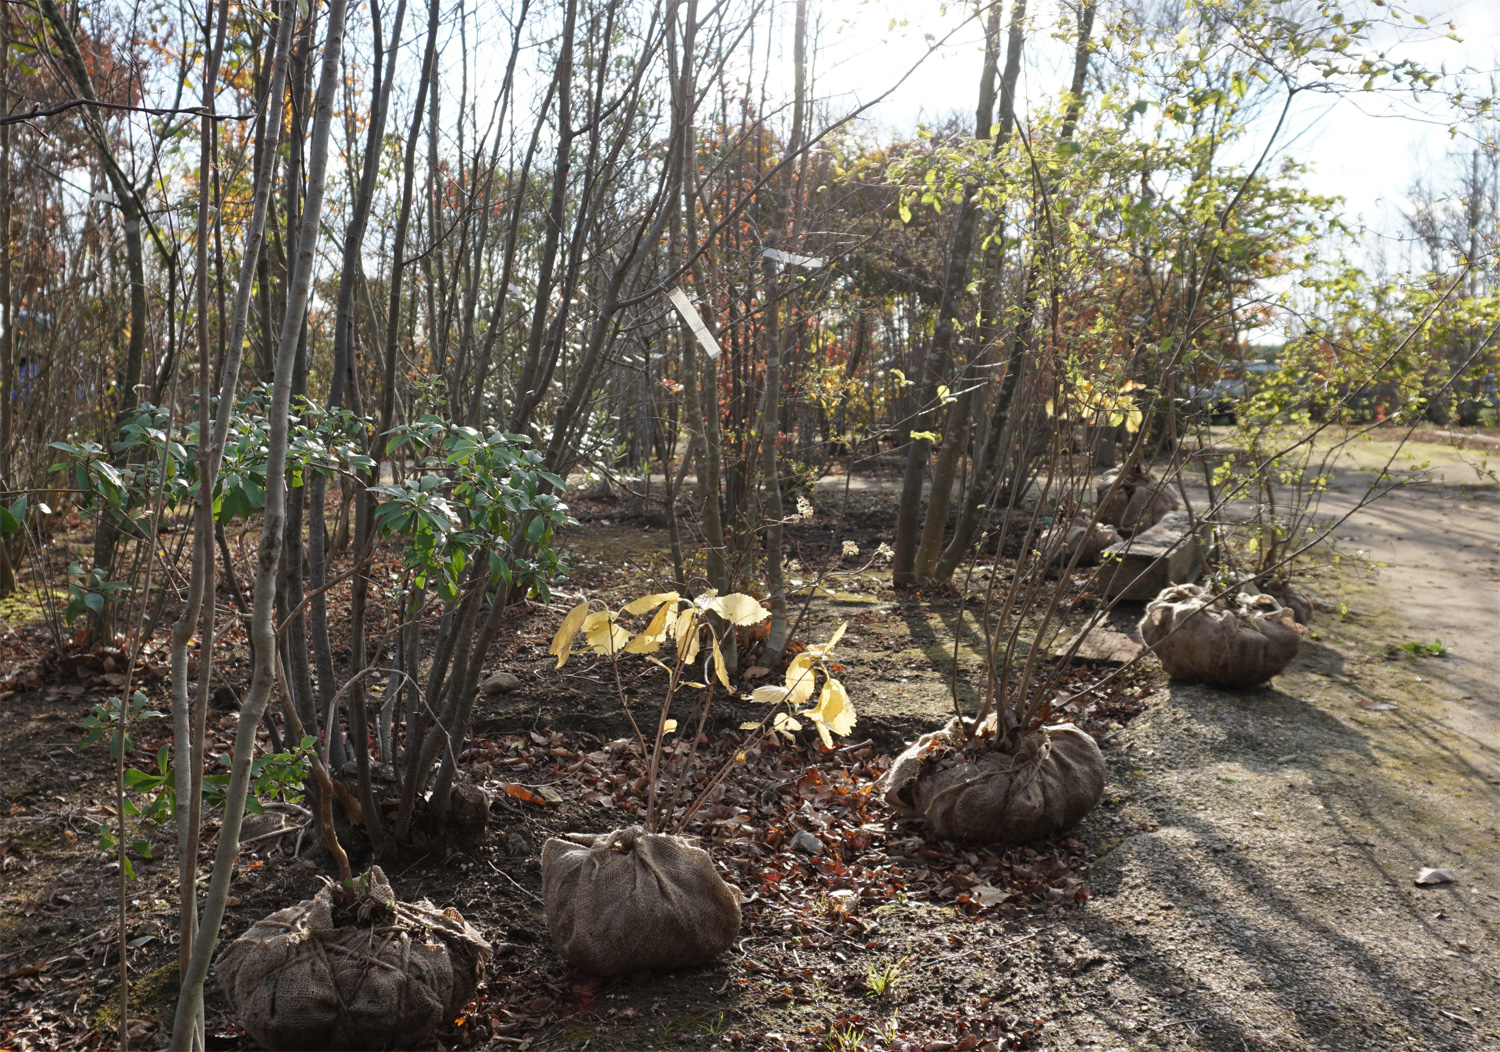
[(682, 622)]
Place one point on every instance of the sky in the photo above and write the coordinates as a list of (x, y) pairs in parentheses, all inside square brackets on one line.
[(1367, 148)]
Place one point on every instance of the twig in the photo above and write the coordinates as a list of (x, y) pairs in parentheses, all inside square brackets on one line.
[(524, 891)]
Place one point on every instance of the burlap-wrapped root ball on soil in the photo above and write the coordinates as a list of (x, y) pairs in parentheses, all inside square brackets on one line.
[(1287, 595), (379, 973), (1073, 538), (1141, 502), (632, 901), (1238, 646), (980, 793)]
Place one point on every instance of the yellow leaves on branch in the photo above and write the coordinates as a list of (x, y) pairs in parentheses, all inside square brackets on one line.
[(603, 635), (737, 608), (649, 641), (562, 643), (683, 624), (685, 636), (1088, 402), (650, 602), (834, 712)]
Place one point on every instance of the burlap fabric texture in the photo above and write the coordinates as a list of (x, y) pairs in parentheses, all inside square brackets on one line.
[(1236, 645), (1073, 538), (630, 901), (1291, 597), (1141, 502), (387, 977), (1047, 786)]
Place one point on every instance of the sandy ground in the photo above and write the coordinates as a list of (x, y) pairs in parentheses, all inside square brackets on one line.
[(1259, 849), (1260, 894)]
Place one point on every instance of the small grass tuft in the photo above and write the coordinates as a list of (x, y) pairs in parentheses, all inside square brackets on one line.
[(881, 979)]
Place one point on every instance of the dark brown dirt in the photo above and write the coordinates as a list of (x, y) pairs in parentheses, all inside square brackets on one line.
[(1246, 885)]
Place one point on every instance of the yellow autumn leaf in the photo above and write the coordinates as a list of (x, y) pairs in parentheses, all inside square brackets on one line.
[(685, 635), (770, 694), (799, 679), (719, 662), (669, 726), (650, 602), (649, 641), (603, 635), (750, 725), (784, 724), (824, 650), (739, 609), (834, 710), (562, 643)]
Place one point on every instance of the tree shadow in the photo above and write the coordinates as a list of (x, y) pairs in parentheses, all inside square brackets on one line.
[(1324, 971)]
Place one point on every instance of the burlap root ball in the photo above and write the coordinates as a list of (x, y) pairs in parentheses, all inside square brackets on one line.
[(387, 978), (1048, 786), (1238, 646), (1291, 597), (632, 901), (1141, 502), (1073, 538)]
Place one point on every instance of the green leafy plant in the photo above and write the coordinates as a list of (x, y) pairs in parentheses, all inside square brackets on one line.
[(150, 797), (846, 1038), (1433, 649), (881, 978), (90, 590), (106, 718)]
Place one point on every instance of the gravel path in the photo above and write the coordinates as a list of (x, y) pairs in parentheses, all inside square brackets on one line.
[(1259, 850)]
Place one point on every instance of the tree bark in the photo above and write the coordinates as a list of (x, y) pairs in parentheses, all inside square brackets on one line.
[(904, 570), (770, 407), (262, 623)]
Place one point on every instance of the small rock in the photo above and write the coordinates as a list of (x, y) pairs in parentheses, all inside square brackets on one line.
[(516, 845), (844, 900), (1436, 876), (500, 683), (807, 843)]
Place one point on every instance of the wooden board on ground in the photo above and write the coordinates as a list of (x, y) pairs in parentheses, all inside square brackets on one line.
[(1141, 566), (1113, 641)]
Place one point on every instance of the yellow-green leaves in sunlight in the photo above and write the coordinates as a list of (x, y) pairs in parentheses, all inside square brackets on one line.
[(562, 643)]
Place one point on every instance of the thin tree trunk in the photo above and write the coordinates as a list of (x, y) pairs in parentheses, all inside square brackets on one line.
[(770, 407), (200, 599), (904, 561), (132, 215), (262, 623), (341, 391), (364, 518), (7, 329), (1001, 425)]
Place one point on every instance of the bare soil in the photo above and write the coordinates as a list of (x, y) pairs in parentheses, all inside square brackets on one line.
[(1247, 883)]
